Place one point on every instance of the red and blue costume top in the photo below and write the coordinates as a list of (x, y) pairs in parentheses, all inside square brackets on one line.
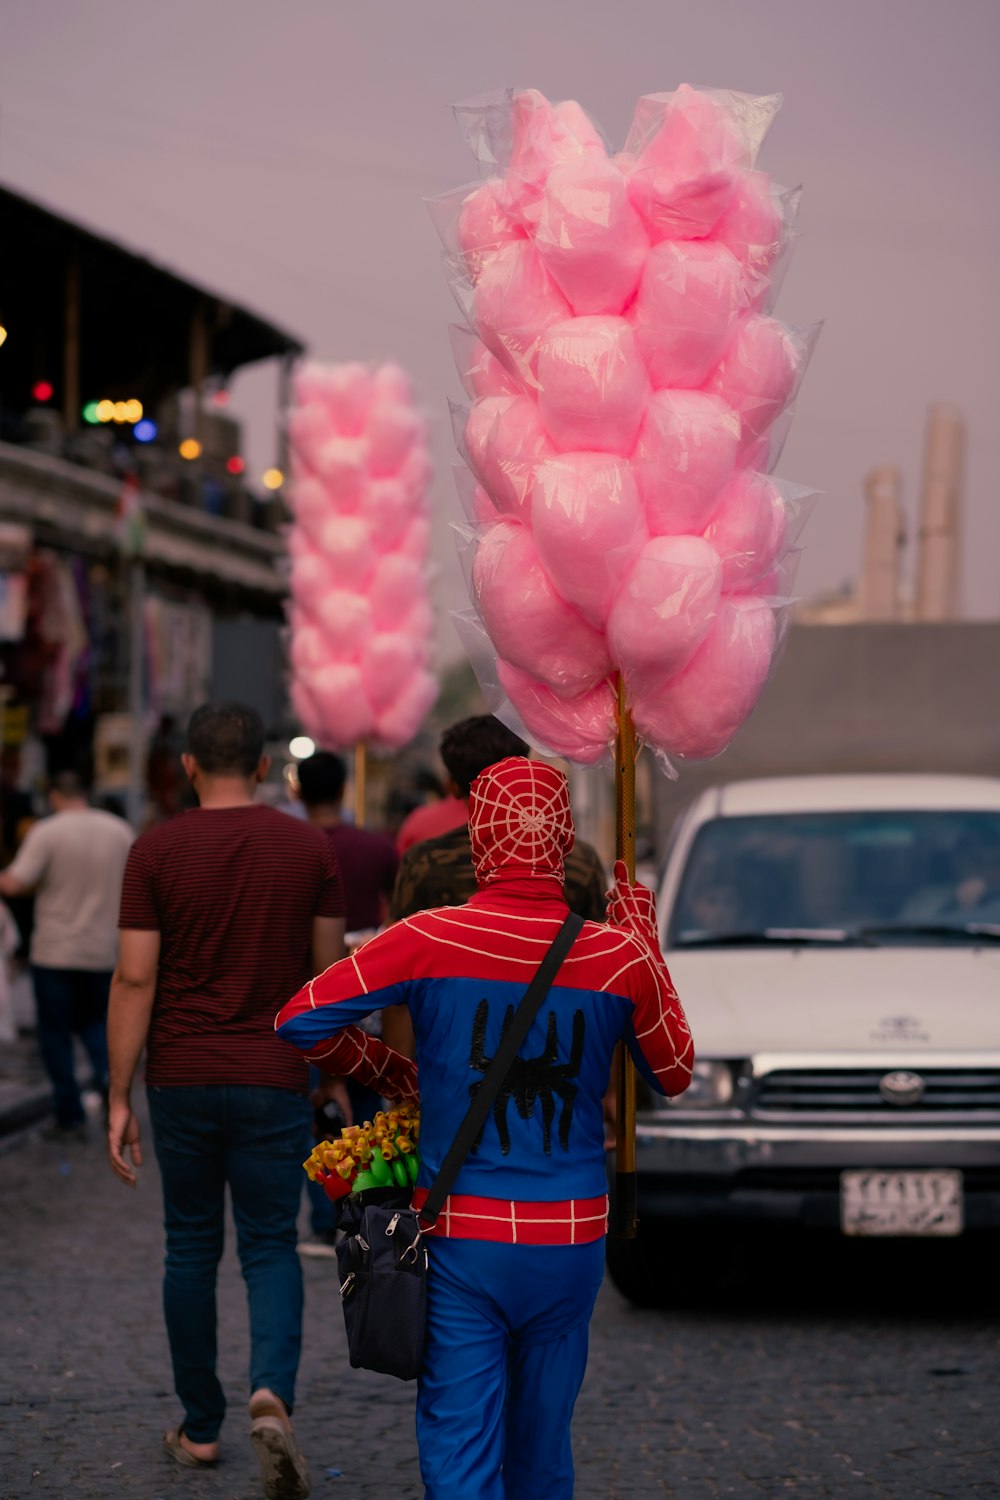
[(537, 1174)]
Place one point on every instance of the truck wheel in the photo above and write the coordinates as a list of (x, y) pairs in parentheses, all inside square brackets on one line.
[(671, 1265)]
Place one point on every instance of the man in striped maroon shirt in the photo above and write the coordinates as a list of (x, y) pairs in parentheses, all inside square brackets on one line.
[(225, 910)]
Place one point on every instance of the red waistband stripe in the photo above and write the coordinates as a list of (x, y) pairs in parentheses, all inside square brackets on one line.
[(570, 1221)]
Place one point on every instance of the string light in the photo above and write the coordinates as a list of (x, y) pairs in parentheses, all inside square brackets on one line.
[(105, 411), (90, 413), (235, 465), (42, 390), (190, 448), (145, 431), (3, 334), (301, 747), (272, 479)]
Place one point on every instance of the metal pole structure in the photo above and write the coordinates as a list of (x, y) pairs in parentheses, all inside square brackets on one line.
[(626, 1195), (136, 769), (360, 785)]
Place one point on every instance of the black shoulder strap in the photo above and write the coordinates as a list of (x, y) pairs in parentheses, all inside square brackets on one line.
[(500, 1066)]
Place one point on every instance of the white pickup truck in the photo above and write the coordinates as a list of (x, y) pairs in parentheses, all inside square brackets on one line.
[(835, 941)]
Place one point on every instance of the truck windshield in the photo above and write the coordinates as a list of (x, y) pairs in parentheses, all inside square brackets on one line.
[(910, 877)]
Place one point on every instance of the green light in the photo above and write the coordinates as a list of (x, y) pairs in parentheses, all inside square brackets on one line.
[(90, 413)]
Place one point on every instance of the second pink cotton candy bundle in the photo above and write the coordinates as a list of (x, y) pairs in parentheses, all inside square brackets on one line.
[(629, 391), (361, 622)]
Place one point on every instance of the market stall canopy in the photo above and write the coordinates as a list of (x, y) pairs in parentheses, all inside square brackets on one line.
[(99, 321)]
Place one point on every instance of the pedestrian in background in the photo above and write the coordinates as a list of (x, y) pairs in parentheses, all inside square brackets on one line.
[(516, 1255), (439, 871), (368, 863), (73, 862), (223, 907)]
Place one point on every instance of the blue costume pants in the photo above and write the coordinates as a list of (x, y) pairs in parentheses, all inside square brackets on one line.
[(505, 1358)]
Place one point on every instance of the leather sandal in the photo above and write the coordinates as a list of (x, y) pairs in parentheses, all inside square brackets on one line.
[(173, 1445)]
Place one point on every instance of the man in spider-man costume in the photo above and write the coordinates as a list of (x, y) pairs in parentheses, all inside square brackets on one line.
[(517, 1253)]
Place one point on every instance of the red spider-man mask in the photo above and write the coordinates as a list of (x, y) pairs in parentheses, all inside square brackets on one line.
[(519, 820)]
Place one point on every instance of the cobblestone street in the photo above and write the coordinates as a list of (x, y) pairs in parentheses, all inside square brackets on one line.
[(792, 1394)]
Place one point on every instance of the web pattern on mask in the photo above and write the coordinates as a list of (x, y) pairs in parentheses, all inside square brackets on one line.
[(519, 815)]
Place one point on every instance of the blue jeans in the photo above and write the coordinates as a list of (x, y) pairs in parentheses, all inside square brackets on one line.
[(70, 1003), (251, 1138)]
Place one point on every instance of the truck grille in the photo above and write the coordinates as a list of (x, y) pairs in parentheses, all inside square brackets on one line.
[(851, 1091)]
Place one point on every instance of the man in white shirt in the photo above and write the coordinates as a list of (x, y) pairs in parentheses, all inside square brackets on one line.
[(74, 862)]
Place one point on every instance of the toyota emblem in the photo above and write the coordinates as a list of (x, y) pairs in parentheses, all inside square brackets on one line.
[(902, 1088)]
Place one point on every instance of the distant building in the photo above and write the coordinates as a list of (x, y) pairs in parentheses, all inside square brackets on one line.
[(120, 464)]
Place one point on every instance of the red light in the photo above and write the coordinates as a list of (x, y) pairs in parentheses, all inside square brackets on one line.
[(235, 465), (42, 391), (220, 398)]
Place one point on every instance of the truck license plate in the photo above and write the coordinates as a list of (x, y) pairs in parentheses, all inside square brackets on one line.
[(901, 1203)]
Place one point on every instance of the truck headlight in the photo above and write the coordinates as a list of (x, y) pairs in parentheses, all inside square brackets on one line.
[(711, 1087)]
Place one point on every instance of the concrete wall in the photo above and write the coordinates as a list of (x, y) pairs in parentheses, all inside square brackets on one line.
[(867, 697)]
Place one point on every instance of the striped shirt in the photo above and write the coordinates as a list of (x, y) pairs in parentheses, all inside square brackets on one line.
[(233, 892)]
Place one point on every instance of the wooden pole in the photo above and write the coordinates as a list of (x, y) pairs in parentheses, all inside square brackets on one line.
[(360, 786), (626, 1195), (71, 344)]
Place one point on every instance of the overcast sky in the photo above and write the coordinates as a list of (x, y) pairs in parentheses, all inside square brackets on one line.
[(279, 154)]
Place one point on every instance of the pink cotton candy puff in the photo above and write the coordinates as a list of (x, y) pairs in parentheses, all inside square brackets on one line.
[(484, 222), (390, 659), (347, 392), (588, 526), (414, 474), (309, 427), (753, 230), (756, 375), (515, 300), (397, 724), (309, 649), (505, 440), (308, 499), (341, 464), (689, 299), (391, 384), (592, 384), (346, 543), (392, 431), (397, 586), (341, 703), (589, 236), (346, 620), (580, 729), (305, 710), (418, 621), (543, 136), (748, 529), (481, 373), (666, 605), (685, 454), (416, 540), (527, 621), (388, 509), (685, 175), (696, 713)]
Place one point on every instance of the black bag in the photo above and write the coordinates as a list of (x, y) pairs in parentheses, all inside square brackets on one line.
[(382, 1257)]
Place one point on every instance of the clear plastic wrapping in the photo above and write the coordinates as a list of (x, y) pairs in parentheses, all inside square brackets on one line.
[(629, 393)]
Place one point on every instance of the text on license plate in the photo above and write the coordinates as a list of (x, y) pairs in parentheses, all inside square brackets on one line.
[(901, 1203)]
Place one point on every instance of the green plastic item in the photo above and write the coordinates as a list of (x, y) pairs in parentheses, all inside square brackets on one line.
[(381, 1170), (363, 1181), (399, 1172), (412, 1165)]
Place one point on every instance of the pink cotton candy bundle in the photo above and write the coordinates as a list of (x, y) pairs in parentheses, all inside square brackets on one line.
[(360, 623), (629, 392)]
